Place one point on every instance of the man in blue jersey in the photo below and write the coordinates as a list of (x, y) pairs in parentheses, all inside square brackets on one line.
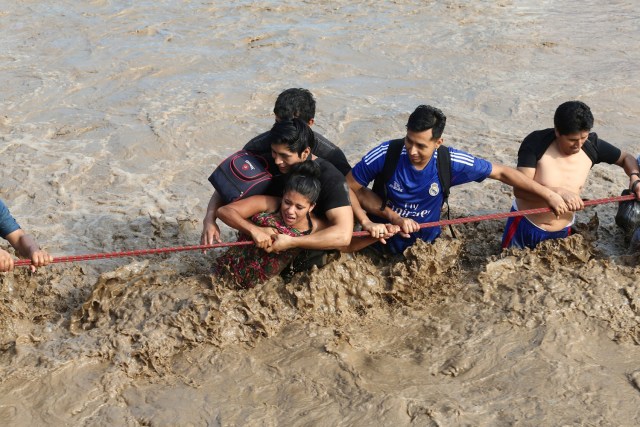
[(413, 193)]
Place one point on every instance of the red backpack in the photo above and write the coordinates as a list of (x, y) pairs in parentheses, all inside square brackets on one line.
[(241, 175)]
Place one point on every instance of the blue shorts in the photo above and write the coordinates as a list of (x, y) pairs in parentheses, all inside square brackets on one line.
[(520, 233)]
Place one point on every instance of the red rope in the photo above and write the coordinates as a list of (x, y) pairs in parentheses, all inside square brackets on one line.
[(500, 215), (88, 257)]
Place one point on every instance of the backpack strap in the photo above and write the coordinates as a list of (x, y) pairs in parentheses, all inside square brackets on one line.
[(444, 174), (390, 163)]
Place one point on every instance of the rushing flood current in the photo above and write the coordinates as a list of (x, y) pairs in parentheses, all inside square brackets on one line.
[(115, 113)]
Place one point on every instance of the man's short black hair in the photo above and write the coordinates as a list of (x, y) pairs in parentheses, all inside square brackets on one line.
[(572, 117), (426, 117), (294, 133), (295, 103)]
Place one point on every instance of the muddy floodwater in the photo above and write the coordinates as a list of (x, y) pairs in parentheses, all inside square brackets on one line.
[(115, 113)]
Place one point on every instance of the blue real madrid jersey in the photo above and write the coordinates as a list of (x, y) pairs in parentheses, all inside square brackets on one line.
[(416, 194)]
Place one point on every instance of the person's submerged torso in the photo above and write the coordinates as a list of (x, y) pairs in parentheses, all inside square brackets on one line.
[(250, 265)]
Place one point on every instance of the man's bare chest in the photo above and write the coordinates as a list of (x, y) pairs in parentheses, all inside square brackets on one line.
[(568, 172)]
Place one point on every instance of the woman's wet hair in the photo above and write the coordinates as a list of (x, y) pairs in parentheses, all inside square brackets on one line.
[(294, 133), (304, 178)]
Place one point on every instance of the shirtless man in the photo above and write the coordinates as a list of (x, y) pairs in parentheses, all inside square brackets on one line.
[(560, 158)]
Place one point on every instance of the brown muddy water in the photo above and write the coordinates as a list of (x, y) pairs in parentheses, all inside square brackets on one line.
[(114, 114)]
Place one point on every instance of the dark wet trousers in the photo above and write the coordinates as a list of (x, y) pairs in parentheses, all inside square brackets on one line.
[(305, 261)]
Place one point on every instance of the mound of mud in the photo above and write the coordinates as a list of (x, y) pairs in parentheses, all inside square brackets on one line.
[(439, 327)]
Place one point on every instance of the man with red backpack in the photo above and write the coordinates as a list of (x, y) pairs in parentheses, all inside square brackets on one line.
[(291, 103)]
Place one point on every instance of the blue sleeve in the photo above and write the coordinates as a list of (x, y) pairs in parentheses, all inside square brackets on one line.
[(466, 168), (371, 165), (7, 223)]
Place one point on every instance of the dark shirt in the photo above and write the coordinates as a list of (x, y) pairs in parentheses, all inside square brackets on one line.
[(324, 149), (537, 142)]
